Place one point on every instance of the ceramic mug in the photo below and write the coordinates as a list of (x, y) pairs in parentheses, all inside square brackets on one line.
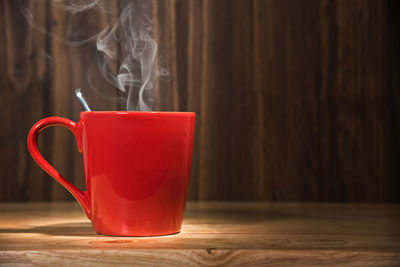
[(137, 168)]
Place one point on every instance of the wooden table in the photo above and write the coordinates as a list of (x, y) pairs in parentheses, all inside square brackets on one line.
[(213, 234)]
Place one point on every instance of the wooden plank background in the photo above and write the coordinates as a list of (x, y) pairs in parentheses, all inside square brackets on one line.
[(295, 100)]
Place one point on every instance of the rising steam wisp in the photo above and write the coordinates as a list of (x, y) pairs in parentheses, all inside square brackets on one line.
[(127, 43)]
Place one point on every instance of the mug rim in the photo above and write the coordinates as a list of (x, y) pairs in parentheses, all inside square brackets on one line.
[(121, 112)]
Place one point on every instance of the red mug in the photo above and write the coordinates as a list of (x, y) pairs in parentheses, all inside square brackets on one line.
[(137, 168)]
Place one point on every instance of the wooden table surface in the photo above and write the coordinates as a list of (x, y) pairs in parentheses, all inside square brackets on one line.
[(213, 234)]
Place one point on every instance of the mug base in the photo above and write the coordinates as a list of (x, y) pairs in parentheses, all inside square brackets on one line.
[(138, 235)]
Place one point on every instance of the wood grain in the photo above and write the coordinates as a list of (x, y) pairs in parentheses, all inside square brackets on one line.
[(198, 257), (213, 234), (24, 91), (295, 101)]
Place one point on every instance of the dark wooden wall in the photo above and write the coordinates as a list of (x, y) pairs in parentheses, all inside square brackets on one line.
[(295, 100)]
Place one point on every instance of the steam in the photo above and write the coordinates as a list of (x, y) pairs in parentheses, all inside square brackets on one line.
[(137, 55), (128, 43), (76, 6)]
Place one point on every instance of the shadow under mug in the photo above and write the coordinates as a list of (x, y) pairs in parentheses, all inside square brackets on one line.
[(137, 168)]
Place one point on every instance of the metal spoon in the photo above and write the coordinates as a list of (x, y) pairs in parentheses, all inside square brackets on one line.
[(79, 95)]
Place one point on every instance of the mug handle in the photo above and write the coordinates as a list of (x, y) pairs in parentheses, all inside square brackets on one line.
[(74, 127)]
